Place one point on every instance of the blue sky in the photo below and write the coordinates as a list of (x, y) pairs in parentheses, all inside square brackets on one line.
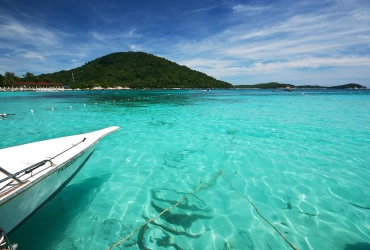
[(324, 42)]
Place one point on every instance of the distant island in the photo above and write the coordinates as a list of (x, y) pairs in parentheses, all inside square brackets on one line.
[(136, 70), (276, 85)]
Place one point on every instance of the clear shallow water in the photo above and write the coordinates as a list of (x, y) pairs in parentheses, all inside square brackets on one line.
[(302, 158)]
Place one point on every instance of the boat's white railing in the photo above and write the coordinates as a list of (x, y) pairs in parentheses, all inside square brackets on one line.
[(16, 176), (14, 180), (4, 240), (26, 170)]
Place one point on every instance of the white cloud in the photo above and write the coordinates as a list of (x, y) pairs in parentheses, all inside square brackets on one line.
[(313, 63), (285, 40), (331, 39), (33, 55), (112, 37), (98, 36), (249, 8), (23, 33), (205, 9)]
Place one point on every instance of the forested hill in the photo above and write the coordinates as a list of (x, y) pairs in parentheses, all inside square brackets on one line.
[(276, 85), (134, 70)]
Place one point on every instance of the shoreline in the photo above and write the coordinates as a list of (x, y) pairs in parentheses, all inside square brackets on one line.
[(8, 89)]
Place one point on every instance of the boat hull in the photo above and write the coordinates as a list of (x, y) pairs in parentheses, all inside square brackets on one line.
[(26, 203), (23, 200)]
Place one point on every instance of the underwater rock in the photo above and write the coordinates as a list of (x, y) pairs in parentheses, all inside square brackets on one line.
[(192, 202), (153, 238), (184, 220)]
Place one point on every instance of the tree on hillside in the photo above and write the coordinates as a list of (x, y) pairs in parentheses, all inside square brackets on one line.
[(9, 78), (9, 74), (29, 77)]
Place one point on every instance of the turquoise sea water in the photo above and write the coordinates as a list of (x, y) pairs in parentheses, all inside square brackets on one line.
[(301, 158)]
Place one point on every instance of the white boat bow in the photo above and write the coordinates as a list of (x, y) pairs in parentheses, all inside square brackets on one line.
[(33, 173)]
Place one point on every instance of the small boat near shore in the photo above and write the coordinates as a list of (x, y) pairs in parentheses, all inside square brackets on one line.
[(288, 89), (33, 173)]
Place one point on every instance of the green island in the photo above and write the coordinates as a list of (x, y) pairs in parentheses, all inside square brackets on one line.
[(136, 70), (276, 85)]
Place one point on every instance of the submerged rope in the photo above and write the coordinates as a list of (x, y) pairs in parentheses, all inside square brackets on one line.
[(195, 190), (277, 230)]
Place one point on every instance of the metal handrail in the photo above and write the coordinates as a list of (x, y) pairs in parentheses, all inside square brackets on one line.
[(33, 167), (25, 170), (4, 240)]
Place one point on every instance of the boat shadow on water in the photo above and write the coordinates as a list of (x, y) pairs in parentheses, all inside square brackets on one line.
[(357, 246), (47, 226)]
